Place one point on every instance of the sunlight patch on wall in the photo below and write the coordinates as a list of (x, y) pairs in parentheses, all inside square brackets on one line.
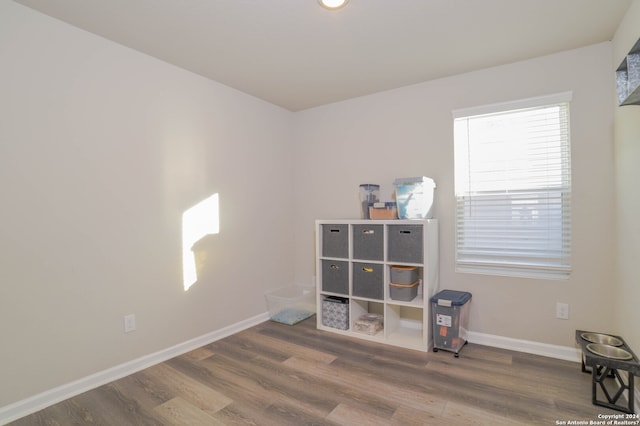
[(197, 222)]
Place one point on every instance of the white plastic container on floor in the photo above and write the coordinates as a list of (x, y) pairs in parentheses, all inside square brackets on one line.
[(292, 304)]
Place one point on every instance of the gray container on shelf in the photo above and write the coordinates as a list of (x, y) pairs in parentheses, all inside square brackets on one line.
[(368, 242), (369, 193), (335, 312), (335, 241), (404, 292), (404, 274), (628, 77), (368, 280), (335, 276), (405, 243)]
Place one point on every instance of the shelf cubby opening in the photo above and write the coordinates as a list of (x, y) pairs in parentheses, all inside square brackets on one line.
[(405, 325), (362, 314)]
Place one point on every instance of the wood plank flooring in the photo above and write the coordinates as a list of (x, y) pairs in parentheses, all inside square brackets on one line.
[(274, 374)]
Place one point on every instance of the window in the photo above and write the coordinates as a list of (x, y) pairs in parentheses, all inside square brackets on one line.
[(513, 188)]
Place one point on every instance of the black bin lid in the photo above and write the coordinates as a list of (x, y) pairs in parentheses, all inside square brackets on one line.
[(451, 298)]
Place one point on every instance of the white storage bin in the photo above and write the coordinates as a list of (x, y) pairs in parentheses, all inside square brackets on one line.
[(414, 197), (290, 305)]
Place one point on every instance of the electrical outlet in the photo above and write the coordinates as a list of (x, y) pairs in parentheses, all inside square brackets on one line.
[(129, 323), (562, 311)]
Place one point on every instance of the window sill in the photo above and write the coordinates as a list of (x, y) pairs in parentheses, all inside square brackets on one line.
[(538, 274)]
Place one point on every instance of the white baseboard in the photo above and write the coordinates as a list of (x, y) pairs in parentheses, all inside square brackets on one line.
[(30, 405), (567, 353)]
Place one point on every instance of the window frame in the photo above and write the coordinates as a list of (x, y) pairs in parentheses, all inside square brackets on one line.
[(470, 264)]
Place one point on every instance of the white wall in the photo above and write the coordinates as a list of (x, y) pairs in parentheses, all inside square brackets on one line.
[(627, 154), (101, 151), (408, 132)]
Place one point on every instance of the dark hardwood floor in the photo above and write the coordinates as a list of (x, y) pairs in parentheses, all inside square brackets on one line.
[(274, 374)]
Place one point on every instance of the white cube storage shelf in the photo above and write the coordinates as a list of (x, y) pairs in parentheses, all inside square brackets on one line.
[(354, 260)]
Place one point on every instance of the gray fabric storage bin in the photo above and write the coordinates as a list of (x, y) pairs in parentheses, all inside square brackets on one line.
[(335, 276), (405, 292), (335, 241), (368, 242), (405, 243), (404, 274), (335, 312), (368, 280)]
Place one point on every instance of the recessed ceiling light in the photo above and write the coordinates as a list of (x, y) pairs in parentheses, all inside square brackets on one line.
[(333, 4)]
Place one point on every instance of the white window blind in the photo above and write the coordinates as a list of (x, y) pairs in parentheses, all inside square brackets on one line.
[(513, 188)]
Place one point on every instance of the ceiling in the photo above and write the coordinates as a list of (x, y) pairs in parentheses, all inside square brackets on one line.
[(297, 55)]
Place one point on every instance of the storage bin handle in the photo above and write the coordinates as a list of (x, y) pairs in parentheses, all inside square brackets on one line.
[(413, 284), (405, 231), (366, 269), (334, 230), (334, 266), (368, 231)]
